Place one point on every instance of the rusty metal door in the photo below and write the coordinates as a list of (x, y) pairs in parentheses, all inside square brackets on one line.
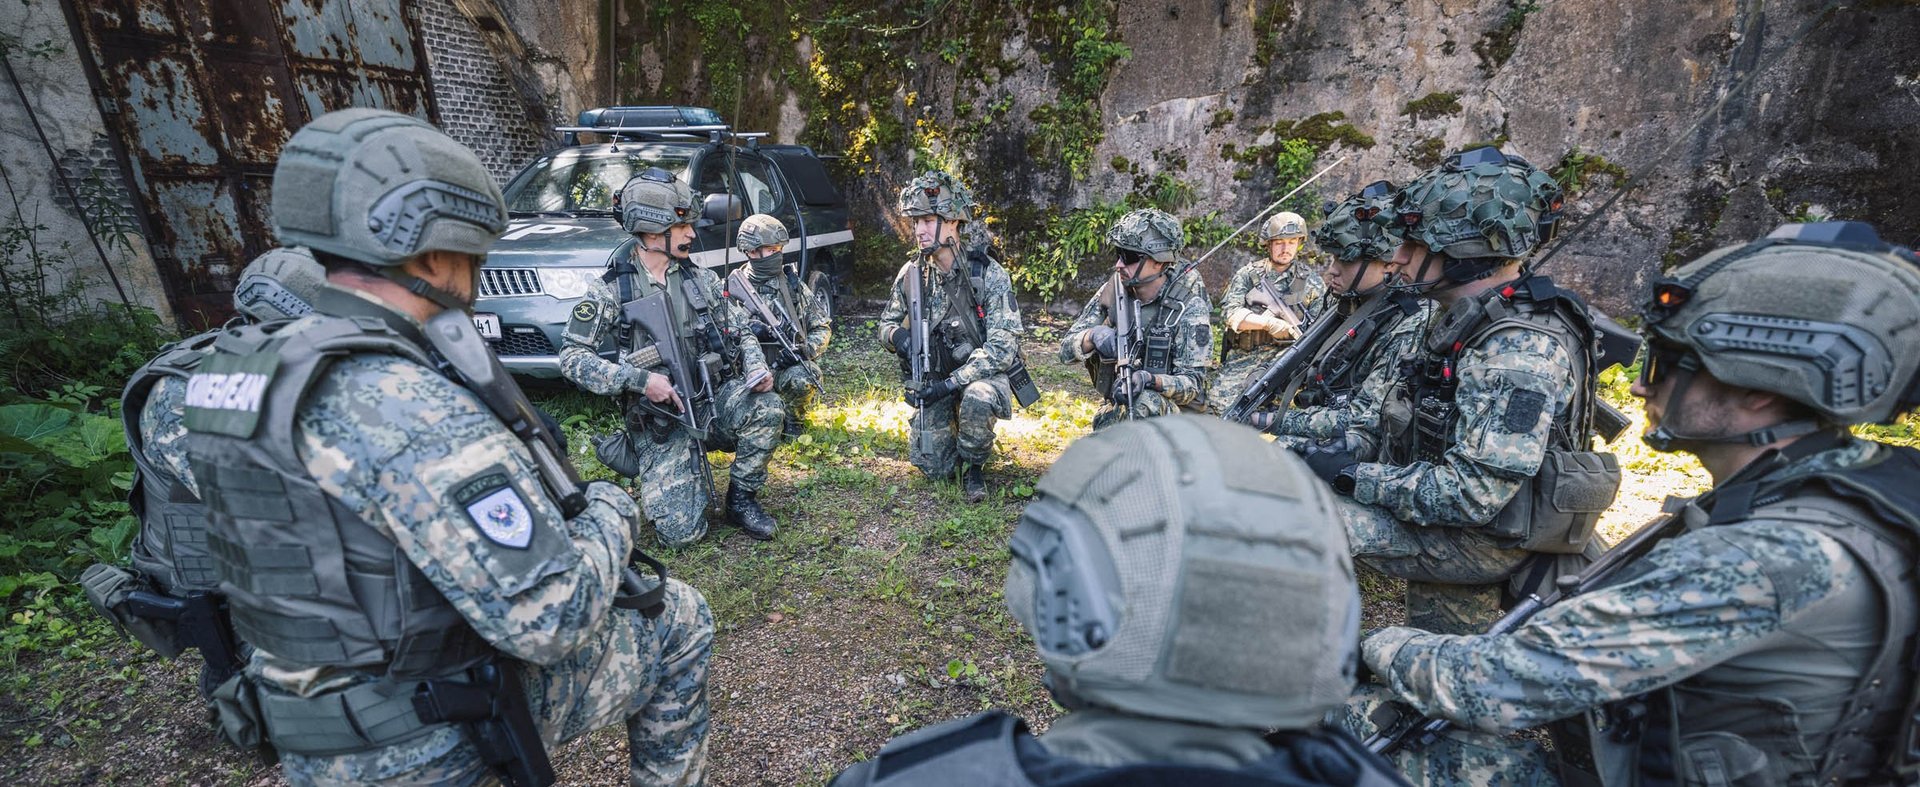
[(203, 93)]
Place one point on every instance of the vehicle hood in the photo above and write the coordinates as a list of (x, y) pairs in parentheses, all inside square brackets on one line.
[(549, 242)]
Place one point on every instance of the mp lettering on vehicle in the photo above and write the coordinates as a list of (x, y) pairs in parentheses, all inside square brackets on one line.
[(518, 231)]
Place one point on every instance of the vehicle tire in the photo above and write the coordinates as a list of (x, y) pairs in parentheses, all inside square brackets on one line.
[(822, 286)]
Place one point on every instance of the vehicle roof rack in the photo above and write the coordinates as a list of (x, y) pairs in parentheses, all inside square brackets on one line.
[(656, 122)]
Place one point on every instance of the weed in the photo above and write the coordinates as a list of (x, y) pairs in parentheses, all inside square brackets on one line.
[(1432, 105), (1497, 45), (1577, 168)]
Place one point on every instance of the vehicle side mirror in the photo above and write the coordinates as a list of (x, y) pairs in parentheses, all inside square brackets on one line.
[(719, 208)]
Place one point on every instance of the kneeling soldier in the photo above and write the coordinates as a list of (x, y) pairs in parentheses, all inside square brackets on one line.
[(792, 327), (1146, 336)]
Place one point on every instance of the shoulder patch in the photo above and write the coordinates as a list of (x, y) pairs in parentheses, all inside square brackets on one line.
[(1523, 410), (496, 508), (225, 393), (586, 311)]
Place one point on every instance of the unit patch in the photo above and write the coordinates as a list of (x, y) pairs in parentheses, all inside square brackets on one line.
[(1523, 411), (497, 509), (585, 311)]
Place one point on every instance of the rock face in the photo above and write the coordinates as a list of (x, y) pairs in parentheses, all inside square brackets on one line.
[(1211, 87)]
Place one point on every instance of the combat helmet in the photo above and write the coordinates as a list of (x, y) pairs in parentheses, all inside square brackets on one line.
[(1184, 568), (653, 201), (279, 285), (1285, 224), (1149, 231), (379, 187), (937, 193), (1823, 314), (760, 230), (1360, 228), (1480, 209)]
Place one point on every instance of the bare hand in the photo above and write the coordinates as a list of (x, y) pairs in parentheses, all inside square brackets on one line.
[(765, 384), (659, 390)]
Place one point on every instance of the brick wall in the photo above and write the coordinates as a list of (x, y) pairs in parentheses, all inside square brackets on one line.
[(478, 105)]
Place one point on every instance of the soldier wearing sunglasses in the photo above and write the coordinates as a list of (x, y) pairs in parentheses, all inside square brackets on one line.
[(1171, 333), (1769, 638)]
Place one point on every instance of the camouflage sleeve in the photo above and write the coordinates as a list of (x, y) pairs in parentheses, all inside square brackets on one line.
[(1511, 387), (587, 326), (1312, 289), (163, 430), (818, 326), (1003, 326), (895, 314), (421, 460), (1694, 602), (1233, 303), (1381, 364), (1094, 313), (733, 323), (1193, 349)]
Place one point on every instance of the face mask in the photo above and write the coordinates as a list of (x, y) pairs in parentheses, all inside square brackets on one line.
[(766, 267)]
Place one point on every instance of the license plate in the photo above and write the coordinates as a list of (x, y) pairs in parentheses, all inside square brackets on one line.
[(488, 325)]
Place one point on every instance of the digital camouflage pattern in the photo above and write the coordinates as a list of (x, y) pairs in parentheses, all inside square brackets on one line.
[(1298, 283), (1419, 521), (960, 429), (1692, 612), (1150, 231), (795, 382), (1185, 385), (936, 193), (671, 492), (163, 428), (391, 440), (1459, 756), (1375, 367)]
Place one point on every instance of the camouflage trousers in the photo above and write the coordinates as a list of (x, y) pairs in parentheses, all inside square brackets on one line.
[(795, 386), (672, 493), (1146, 404), (1237, 372), (1458, 756), (649, 673), (959, 428), (1455, 576)]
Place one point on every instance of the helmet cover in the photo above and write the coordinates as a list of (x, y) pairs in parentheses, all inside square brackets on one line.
[(1149, 231), (937, 193), (1360, 228), (1285, 224), (1480, 204)]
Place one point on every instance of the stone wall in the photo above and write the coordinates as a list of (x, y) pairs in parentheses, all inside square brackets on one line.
[(479, 104)]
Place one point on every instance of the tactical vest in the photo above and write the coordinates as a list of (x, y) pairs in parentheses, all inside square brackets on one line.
[(691, 308), (172, 545), (1337, 370), (1767, 721), (309, 581), (1241, 341), (1159, 322)]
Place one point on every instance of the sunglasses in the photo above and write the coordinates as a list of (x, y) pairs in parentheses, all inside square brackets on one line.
[(1129, 257), (1659, 360)]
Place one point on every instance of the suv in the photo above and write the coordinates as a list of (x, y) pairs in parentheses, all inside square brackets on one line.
[(564, 228)]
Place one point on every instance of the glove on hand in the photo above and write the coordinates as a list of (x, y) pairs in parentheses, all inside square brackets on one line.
[(761, 331), (1102, 339), (934, 392), (1279, 329), (901, 341), (1328, 459), (1138, 380)]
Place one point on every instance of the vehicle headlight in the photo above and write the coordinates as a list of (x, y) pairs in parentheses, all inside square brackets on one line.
[(568, 283)]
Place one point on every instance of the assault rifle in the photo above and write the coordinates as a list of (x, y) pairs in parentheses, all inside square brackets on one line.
[(454, 337), (919, 340), (1270, 302), (694, 378), (1126, 316), (1292, 363), (785, 331)]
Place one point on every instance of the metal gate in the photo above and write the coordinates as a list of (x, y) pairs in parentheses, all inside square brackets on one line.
[(202, 94)]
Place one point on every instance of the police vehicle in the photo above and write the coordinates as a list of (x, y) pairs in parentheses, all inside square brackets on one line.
[(564, 226)]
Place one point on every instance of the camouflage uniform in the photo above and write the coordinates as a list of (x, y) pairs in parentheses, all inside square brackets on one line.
[(1182, 385), (1698, 613), (1299, 286), (1374, 368), (671, 490), (795, 382), (959, 429)]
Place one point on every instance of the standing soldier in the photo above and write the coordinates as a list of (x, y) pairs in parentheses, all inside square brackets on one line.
[(432, 595), (1187, 589), (1169, 336), (1267, 306), (1480, 458), (667, 432), (798, 319), (1765, 632), (1381, 322), (972, 334), (171, 599)]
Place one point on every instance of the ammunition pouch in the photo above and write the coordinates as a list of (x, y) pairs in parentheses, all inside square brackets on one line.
[(1556, 510), (236, 708), (1242, 341), (110, 589)]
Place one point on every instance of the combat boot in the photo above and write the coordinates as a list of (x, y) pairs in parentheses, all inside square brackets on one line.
[(793, 427), (744, 512), (973, 484)]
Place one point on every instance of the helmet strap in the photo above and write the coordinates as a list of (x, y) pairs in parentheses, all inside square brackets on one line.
[(1666, 440), (421, 287), (1141, 281)]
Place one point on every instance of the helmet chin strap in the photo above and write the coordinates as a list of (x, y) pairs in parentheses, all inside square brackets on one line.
[(1141, 281), (442, 296), (1666, 440)]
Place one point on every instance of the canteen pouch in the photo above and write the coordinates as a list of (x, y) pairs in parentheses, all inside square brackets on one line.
[(1556, 510)]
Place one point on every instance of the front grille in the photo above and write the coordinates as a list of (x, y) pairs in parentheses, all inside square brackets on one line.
[(496, 282), (521, 341)]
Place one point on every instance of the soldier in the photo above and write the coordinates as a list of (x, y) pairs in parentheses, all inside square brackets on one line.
[(170, 601), (1267, 305), (1768, 638), (1382, 321), (1186, 584), (763, 239), (973, 330), (1495, 409), (429, 596), (661, 446), (1171, 321)]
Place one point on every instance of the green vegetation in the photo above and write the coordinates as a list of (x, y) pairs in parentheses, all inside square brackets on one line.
[(1432, 105), (1427, 153), (1497, 45), (1071, 127), (1269, 22), (1576, 169)]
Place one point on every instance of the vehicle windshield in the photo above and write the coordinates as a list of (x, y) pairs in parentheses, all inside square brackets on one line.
[(584, 180)]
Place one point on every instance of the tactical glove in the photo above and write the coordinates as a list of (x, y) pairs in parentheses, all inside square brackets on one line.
[(934, 392), (761, 331), (1329, 460), (1135, 382), (902, 341), (1102, 339)]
